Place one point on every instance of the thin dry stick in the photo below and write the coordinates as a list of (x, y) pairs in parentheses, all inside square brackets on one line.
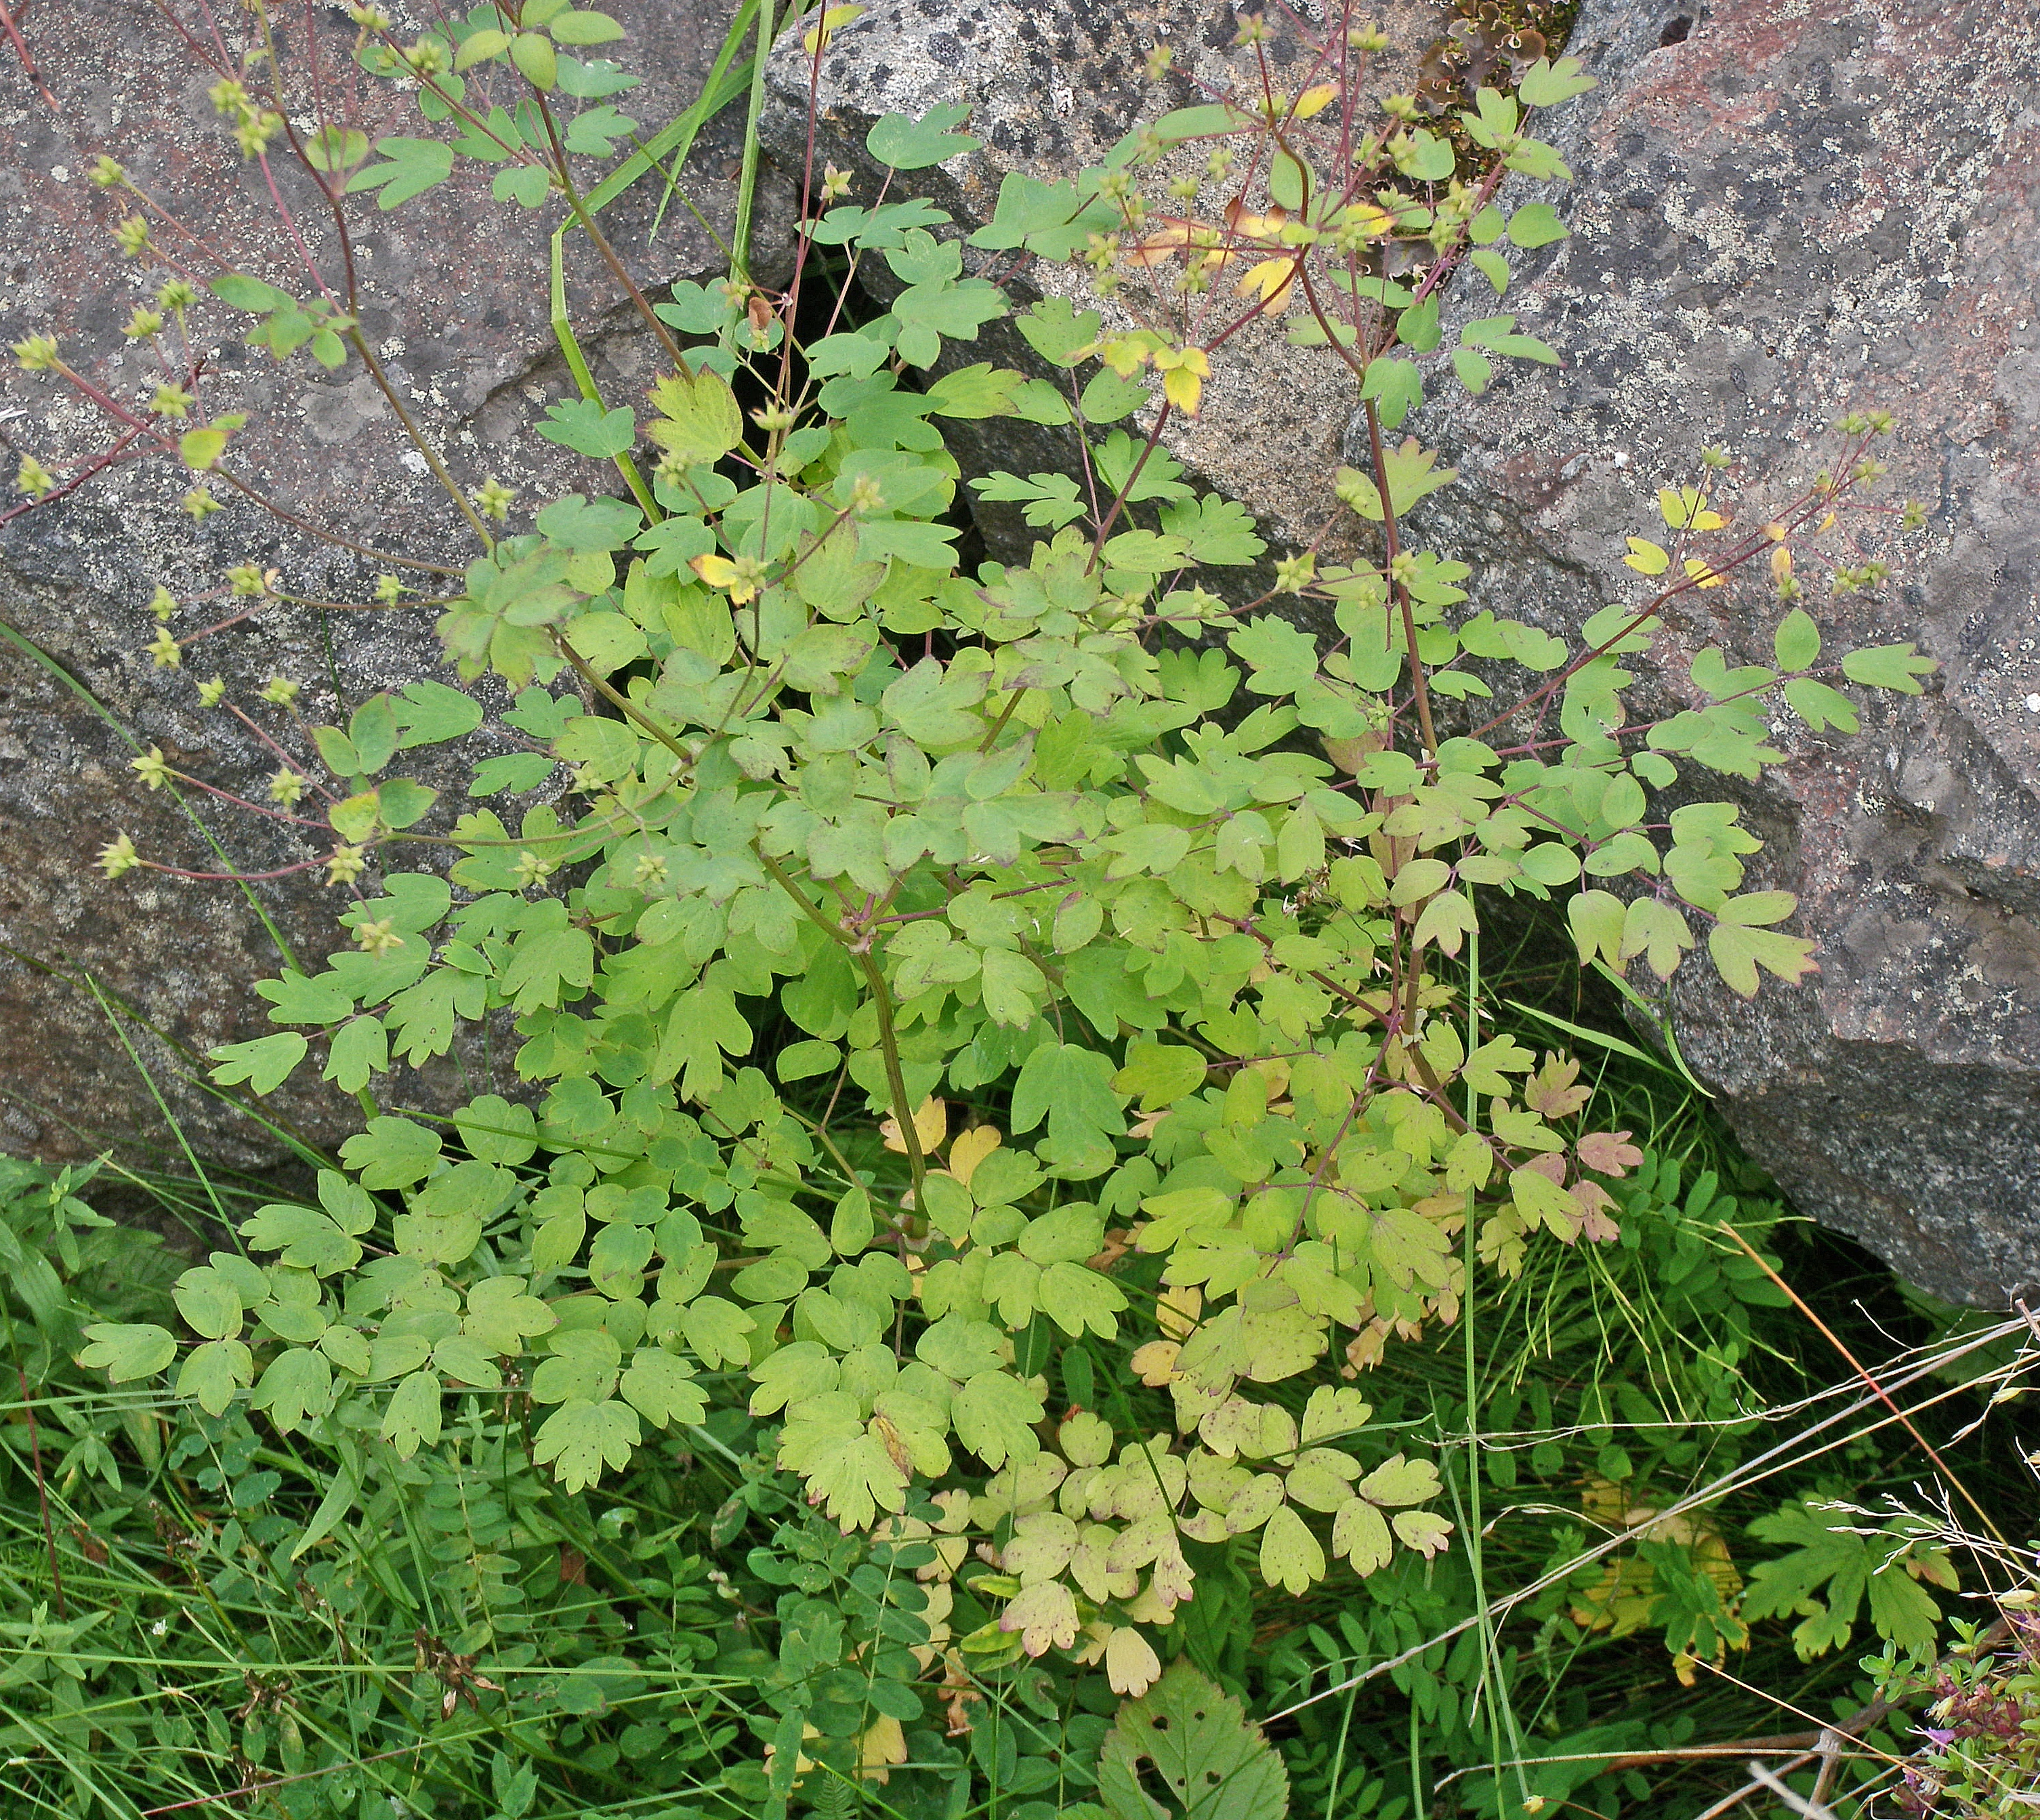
[(1812, 1810), (1856, 1366), (1764, 1465)]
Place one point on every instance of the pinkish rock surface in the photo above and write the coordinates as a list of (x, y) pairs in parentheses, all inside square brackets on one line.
[(1786, 210), (458, 309)]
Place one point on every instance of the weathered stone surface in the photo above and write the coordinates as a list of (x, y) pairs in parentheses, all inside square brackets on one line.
[(1053, 88), (456, 305), (1784, 210)]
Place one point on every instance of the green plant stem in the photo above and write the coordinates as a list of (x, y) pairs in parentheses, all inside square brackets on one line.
[(746, 179), (584, 216), (1419, 688), (621, 703), (584, 378), (882, 1001), (419, 440)]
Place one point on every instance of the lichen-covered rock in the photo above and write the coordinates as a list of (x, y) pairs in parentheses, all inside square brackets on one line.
[(1784, 211), (1053, 88), (458, 309)]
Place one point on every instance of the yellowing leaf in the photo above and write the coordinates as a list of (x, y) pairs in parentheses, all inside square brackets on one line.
[(1646, 558), (816, 41), (1686, 509), (1704, 575), (698, 419), (1291, 1556), (1176, 1313), (1360, 1534), (1131, 1665), (1313, 101), (1420, 1530), (1269, 279), (720, 572), (970, 1148), (1155, 1363), (931, 1125), (1184, 371), (1045, 1615), (202, 449)]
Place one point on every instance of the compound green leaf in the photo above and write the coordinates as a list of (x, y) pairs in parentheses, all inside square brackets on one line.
[(129, 1350), (580, 1437), (994, 1415), (1291, 1556)]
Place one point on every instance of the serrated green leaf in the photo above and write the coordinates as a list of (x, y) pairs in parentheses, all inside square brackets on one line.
[(1194, 1739), (579, 1438)]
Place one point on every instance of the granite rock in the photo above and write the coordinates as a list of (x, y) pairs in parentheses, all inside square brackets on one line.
[(456, 284), (1053, 88), (1784, 210)]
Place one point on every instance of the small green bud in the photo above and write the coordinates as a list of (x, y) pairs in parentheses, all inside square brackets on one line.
[(835, 184), (177, 296), (131, 235), (142, 324), (1253, 30), (649, 873), (228, 96), (427, 57), (1714, 455), (865, 495), (171, 401), (252, 135), (248, 581), (493, 499), (164, 649), (1294, 573), (1912, 516), (286, 787), (36, 353), (107, 173), (200, 503), (33, 478), (369, 18), (346, 864), (378, 938), (119, 856), (1161, 60), (163, 605), (280, 691), (211, 691), (533, 871), (1405, 569), (388, 590), (153, 768), (773, 418), (1368, 38)]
